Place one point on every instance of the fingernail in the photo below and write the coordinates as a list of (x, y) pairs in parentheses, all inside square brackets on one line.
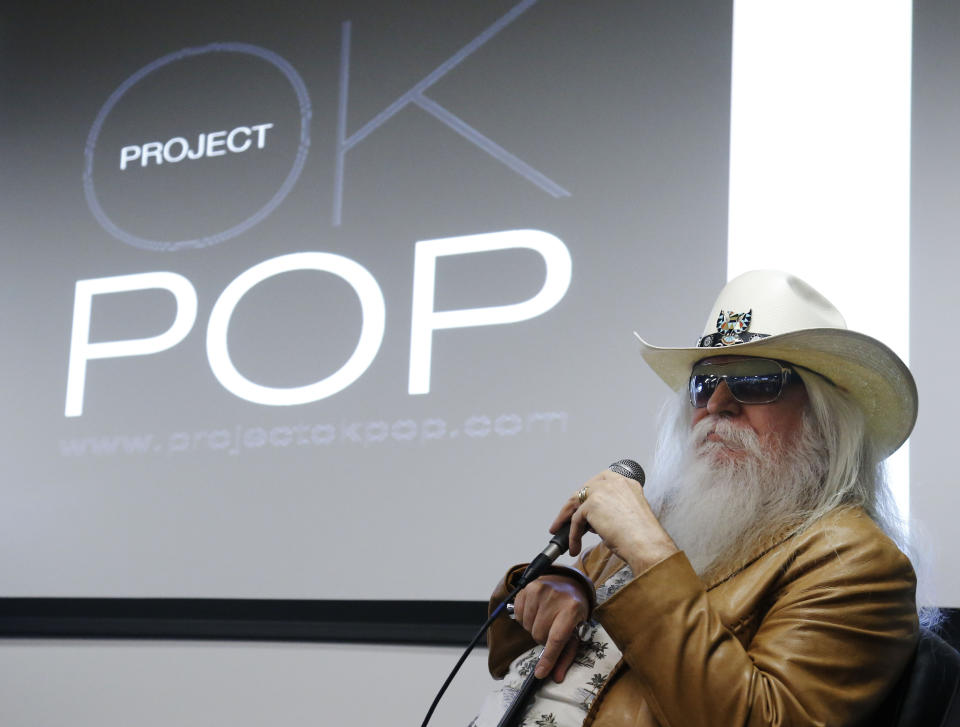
[(539, 670)]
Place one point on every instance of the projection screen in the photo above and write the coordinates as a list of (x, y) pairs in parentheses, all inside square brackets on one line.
[(337, 301)]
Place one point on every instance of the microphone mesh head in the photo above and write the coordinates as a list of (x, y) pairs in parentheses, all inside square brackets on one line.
[(629, 468)]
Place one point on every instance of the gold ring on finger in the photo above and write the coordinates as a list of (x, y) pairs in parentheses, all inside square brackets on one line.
[(582, 495)]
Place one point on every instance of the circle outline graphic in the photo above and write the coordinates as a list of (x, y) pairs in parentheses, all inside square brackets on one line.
[(303, 99)]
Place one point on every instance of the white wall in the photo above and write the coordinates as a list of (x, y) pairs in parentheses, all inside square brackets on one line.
[(162, 683)]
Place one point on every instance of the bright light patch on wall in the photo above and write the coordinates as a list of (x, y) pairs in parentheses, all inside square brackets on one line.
[(820, 159)]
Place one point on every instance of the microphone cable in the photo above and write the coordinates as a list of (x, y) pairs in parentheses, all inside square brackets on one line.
[(476, 639), (558, 545)]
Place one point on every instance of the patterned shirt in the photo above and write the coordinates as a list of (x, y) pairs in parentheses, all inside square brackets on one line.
[(565, 704)]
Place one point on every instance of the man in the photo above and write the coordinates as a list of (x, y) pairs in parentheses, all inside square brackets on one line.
[(755, 579)]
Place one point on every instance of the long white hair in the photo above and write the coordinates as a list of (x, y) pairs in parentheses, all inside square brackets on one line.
[(856, 475), (855, 472)]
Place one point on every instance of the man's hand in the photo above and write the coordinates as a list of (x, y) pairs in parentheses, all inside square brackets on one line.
[(550, 609), (616, 510)]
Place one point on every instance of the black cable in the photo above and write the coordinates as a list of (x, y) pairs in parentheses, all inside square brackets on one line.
[(558, 545), (483, 629)]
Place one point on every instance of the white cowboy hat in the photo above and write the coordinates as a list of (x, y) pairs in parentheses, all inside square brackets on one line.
[(771, 314)]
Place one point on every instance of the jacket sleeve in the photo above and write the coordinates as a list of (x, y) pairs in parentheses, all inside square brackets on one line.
[(506, 639), (838, 629)]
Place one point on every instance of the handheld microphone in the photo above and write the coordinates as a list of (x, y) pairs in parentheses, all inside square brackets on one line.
[(560, 542)]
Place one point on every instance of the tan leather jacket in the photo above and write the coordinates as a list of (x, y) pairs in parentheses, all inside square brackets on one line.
[(814, 631)]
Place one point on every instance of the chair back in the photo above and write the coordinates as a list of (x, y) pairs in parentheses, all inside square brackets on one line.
[(928, 693)]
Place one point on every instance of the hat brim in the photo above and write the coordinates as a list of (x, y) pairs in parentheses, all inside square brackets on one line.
[(869, 371)]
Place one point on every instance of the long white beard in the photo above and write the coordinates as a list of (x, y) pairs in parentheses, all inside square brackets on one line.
[(720, 500)]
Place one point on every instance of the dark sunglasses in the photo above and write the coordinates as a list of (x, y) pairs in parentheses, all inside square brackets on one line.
[(750, 380)]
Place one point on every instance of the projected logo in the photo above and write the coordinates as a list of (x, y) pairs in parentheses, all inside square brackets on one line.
[(219, 133), (203, 144)]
